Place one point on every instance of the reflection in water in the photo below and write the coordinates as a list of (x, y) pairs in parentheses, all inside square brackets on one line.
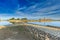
[(4, 23), (54, 23), (12, 22)]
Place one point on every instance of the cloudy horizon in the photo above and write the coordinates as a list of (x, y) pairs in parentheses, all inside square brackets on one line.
[(31, 9)]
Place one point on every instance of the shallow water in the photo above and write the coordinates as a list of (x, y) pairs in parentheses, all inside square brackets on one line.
[(54, 23), (2, 23)]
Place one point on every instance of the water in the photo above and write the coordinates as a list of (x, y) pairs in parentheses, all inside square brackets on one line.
[(54, 23), (2, 23)]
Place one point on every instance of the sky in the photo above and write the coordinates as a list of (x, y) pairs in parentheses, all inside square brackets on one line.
[(31, 9)]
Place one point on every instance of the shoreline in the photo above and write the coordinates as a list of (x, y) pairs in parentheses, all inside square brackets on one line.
[(46, 26), (47, 29), (53, 26), (1, 27)]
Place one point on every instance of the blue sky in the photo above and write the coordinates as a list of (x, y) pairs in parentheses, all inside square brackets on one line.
[(31, 9)]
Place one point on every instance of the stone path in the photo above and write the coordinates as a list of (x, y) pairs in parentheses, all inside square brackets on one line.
[(14, 33)]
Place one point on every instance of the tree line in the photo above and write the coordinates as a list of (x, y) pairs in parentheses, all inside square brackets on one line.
[(18, 19)]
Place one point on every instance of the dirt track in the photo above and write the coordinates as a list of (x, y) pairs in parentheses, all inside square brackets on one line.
[(14, 33)]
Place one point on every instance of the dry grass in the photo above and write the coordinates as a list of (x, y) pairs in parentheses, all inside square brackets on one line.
[(1, 27)]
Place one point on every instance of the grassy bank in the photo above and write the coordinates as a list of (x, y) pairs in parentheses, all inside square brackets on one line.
[(14, 33)]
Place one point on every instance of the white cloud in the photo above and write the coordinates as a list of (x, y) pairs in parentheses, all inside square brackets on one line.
[(48, 10), (39, 9), (54, 7)]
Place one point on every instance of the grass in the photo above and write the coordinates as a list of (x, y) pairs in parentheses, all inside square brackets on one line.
[(18, 28)]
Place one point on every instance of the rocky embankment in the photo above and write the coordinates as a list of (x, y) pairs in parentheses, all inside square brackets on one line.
[(43, 33)]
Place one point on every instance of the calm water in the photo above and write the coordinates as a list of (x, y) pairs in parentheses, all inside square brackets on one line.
[(54, 23), (4, 23)]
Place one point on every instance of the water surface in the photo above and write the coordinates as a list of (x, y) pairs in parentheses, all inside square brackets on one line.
[(54, 23), (2, 23)]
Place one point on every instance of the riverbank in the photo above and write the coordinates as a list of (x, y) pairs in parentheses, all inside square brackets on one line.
[(43, 32), (8, 32), (46, 27), (1, 27), (14, 33)]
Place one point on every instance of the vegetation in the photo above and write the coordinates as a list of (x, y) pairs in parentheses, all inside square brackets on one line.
[(24, 19), (12, 19), (18, 19)]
